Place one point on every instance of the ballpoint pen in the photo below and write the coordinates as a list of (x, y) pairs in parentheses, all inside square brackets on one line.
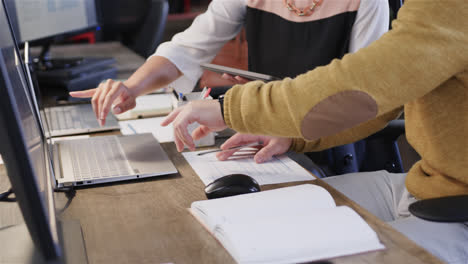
[(237, 147)]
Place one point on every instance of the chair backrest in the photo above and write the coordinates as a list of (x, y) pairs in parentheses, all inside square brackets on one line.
[(151, 32)]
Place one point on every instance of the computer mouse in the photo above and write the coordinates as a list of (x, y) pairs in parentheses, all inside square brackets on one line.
[(230, 185)]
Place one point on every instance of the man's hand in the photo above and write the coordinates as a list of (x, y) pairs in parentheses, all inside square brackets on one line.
[(108, 93), (205, 112), (271, 146)]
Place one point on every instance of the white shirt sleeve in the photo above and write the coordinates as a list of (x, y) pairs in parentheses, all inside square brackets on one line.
[(202, 40), (372, 21)]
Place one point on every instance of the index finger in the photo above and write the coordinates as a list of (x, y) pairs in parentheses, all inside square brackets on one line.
[(236, 140), (84, 94), (171, 116)]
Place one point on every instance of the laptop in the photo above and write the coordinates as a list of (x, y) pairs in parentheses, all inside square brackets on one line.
[(84, 161), (75, 119), (70, 119)]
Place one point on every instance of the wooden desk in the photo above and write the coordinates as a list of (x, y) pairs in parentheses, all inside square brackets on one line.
[(147, 221)]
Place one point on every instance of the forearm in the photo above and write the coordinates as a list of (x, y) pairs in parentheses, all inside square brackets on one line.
[(155, 73)]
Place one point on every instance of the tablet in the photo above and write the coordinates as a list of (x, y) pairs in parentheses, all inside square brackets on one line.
[(237, 72)]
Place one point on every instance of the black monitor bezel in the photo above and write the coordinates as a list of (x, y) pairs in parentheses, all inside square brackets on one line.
[(21, 174), (19, 166)]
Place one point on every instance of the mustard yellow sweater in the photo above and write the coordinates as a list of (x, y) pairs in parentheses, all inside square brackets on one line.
[(421, 65)]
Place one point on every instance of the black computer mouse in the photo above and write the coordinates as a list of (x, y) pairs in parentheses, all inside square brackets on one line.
[(231, 185)]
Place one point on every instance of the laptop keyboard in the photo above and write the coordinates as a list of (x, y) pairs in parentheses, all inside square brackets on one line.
[(96, 158), (64, 118)]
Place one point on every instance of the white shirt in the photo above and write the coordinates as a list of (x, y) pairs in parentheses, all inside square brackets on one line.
[(223, 21)]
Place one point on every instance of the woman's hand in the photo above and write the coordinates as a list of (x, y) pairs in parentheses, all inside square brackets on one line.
[(271, 146), (207, 113), (107, 94)]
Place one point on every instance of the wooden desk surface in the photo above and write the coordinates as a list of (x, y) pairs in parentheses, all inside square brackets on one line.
[(147, 221)]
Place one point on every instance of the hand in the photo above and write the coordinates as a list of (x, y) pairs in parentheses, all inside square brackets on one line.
[(206, 112), (271, 146), (108, 93), (235, 79)]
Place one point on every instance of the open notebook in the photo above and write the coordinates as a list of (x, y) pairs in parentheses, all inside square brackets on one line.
[(288, 225)]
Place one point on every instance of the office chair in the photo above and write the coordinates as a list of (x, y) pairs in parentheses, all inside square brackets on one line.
[(449, 209), (139, 25)]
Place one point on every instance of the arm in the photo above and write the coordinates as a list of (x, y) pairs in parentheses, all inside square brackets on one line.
[(204, 38), (372, 21), (181, 56), (406, 63)]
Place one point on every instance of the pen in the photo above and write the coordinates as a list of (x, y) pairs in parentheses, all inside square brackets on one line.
[(238, 147), (175, 94), (207, 93)]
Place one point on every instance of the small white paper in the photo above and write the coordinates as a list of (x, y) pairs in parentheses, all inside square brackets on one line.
[(148, 125)]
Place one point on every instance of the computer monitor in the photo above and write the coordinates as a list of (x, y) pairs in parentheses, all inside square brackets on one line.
[(24, 150), (34, 20)]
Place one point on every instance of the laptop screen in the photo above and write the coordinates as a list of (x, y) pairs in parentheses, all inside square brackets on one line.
[(24, 122)]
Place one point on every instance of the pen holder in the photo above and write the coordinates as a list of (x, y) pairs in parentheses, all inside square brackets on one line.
[(208, 140)]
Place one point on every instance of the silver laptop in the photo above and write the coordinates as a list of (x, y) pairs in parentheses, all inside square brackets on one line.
[(108, 158), (71, 119), (75, 119), (90, 160), (104, 159)]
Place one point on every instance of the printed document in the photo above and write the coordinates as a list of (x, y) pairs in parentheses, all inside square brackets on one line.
[(279, 169)]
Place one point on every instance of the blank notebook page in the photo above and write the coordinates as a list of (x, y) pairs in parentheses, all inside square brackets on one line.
[(287, 225)]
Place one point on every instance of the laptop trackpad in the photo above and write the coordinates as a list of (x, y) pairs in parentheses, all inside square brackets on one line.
[(145, 155)]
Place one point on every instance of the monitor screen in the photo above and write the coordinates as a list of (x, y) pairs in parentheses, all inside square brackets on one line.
[(23, 147), (39, 19)]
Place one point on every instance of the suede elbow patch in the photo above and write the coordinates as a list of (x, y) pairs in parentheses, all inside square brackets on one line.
[(338, 112)]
